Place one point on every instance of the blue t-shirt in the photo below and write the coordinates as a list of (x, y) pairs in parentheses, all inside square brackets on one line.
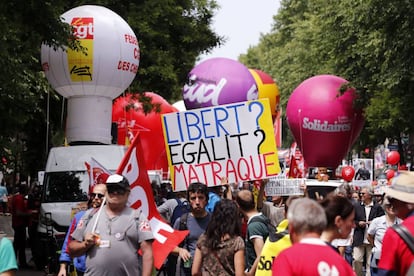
[(197, 226), (3, 191), (7, 256), (213, 198), (78, 262)]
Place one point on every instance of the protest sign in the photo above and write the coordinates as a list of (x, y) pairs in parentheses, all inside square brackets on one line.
[(363, 172), (284, 186), (234, 141), (381, 187)]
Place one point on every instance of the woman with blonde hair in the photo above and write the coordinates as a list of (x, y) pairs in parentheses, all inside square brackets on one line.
[(220, 250)]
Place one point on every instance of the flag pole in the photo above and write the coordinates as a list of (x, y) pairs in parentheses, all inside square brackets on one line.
[(98, 215)]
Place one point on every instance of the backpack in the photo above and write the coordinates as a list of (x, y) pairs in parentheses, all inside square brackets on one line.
[(182, 208), (170, 266), (272, 231), (405, 234)]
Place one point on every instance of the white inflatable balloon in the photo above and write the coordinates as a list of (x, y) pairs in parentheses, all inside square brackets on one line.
[(111, 60), (90, 79)]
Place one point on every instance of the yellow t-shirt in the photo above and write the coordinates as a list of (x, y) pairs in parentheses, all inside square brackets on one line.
[(272, 249)]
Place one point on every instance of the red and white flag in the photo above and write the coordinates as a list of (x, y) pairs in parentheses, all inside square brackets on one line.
[(297, 163), (141, 197), (97, 173), (129, 136)]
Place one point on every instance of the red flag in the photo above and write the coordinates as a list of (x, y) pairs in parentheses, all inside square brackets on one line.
[(297, 164), (129, 137), (141, 197), (97, 175)]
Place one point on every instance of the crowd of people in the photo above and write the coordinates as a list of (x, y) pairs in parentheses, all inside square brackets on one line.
[(232, 231)]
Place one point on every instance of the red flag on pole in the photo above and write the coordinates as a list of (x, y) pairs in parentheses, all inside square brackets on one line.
[(129, 136), (141, 197), (97, 173), (297, 163)]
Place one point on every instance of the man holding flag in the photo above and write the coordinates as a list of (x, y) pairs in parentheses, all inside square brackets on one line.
[(112, 237), (141, 198)]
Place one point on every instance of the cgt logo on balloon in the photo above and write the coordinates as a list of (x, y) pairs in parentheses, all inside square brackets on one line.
[(234, 141), (108, 62), (81, 66)]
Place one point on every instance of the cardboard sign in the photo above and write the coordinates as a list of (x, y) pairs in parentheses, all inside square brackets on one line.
[(234, 141)]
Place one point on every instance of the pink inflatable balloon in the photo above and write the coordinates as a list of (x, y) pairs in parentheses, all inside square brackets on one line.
[(324, 123)]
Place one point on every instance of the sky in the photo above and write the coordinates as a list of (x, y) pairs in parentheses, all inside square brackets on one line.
[(242, 22)]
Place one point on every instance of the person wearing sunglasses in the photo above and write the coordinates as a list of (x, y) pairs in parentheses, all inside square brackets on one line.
[(95, 201), (111, 237)]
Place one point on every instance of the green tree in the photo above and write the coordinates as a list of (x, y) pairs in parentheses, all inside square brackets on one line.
[(23, 88), (172, 34), (368, 43)]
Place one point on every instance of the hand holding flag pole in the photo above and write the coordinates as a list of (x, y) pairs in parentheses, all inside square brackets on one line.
[(98, 215)]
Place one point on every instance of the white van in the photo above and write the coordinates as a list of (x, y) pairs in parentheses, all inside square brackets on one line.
[(155, 176), (65, 184)]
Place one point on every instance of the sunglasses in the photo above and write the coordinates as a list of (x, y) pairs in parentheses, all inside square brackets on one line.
[(116, 190), (94, 195)]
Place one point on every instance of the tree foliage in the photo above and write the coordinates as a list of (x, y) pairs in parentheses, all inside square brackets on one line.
[(171, 34), (369, 43)]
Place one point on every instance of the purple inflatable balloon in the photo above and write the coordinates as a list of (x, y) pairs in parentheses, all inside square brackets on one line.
[(219, 81), (324, 123)]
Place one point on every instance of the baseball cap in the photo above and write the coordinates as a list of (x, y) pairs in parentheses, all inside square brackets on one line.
[(118, 180)]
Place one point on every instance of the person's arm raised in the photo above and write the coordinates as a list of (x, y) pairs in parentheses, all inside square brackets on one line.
[(229, 191), (260, 196)]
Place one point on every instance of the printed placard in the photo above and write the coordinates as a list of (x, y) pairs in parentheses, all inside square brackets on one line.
[(363, 172), (284, 186)]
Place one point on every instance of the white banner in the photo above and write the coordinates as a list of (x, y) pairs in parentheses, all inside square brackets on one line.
[(284, 186)]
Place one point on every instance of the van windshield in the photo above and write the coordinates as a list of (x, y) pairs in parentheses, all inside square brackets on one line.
[(68, 186)]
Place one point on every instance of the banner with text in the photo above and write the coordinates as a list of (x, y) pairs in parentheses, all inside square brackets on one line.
[(284, 186), (234, 141)]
